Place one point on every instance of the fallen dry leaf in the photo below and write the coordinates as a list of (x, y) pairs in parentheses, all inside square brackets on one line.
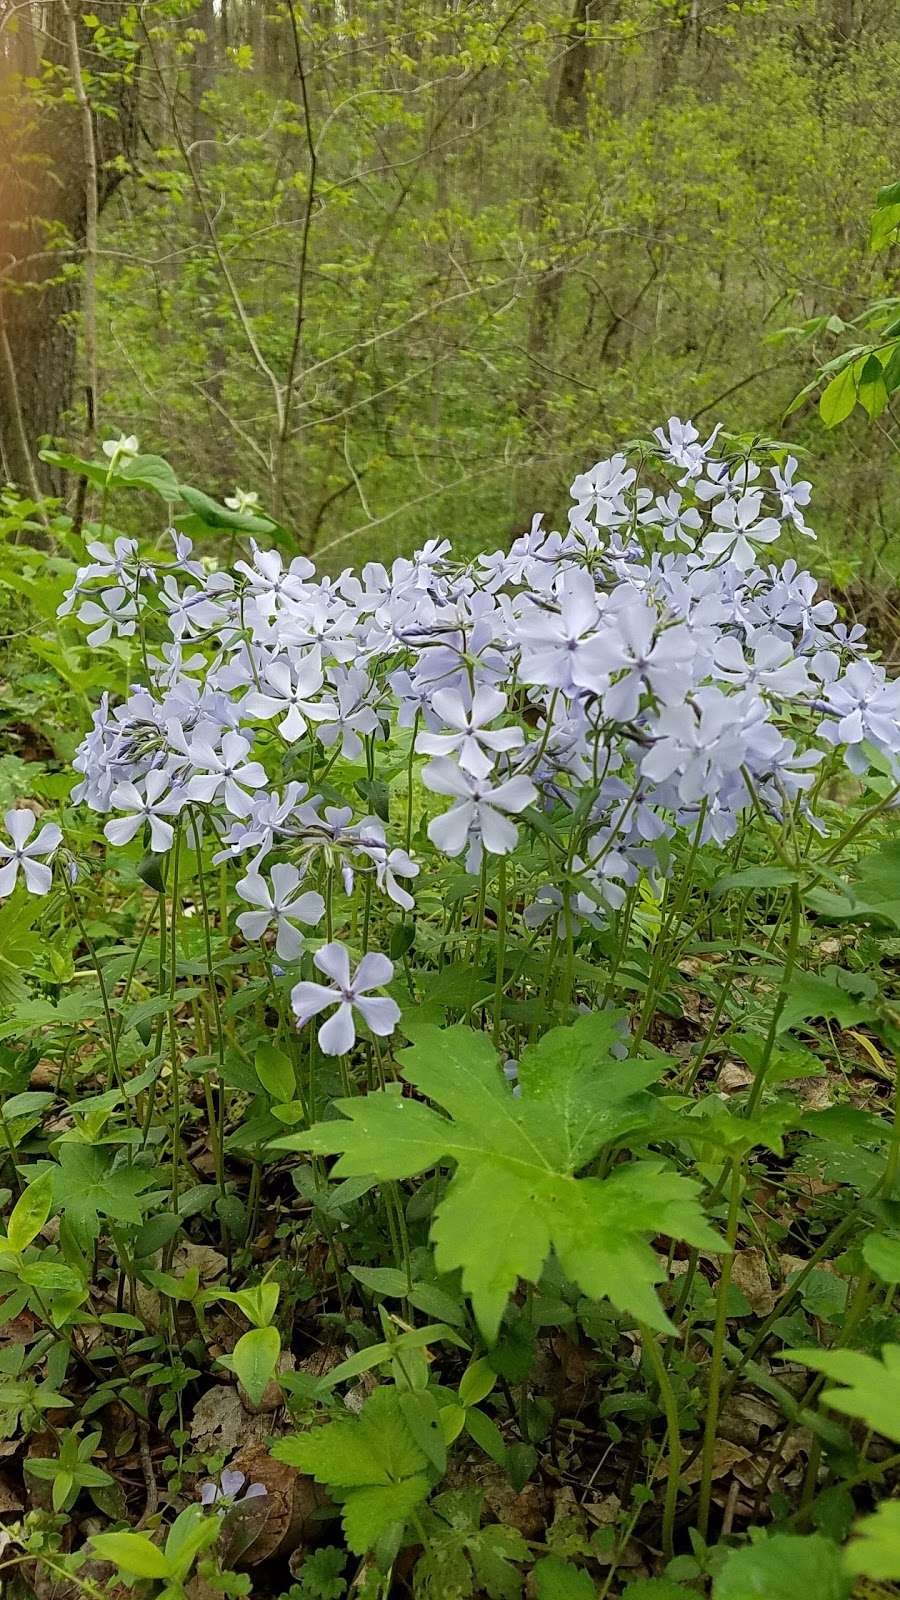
[(750, 1274), (277, 1522)]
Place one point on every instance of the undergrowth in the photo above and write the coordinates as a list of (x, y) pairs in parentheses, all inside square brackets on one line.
[(447, 1045)]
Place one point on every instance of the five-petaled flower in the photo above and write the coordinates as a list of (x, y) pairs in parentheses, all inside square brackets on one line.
[(282, 905), (25, 852), (348, 993)]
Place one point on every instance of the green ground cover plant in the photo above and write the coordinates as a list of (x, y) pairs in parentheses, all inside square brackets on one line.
[(448, 1018)]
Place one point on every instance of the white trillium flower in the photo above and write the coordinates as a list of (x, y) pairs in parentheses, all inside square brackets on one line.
[(242, 500), (348, 994), (123, 448), (20, 825)]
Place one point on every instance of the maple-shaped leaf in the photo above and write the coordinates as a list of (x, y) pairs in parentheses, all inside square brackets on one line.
[(516, 1193), (872, 1391), (371, 1462), (87, 1186)]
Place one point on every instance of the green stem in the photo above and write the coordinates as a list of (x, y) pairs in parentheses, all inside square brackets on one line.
[(718, 1353), (673, 1438), (501, 949), (173, 1032)]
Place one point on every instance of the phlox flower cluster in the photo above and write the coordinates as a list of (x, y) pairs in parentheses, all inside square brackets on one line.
[(647, 670)]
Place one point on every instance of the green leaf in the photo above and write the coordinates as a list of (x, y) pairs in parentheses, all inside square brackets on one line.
[(814, 996), (556, 1579), (515, 1193), (369, 1514), (881, 1252), (383, 1280), (875, 891), (872, 1390), (838, 398), (462, 1558), (275, 1073), (784, 1567), (422, 1417), (373, 1459), (191, 1532), (215, 515), (871, 389), (483, 1429), (87, 1186), (254, 1359), (134, 1553), (30, 1212), (476, 1382), (875, 1550)]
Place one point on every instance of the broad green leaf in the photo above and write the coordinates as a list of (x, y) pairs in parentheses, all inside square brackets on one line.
[(215, 515), (30, 1212), (51, 1277), (556, 1579), (884, 222), (192, 1531), (875, 1550), (374, 1448), (132, 1552), (814, 996), (515, 1193), (87, 1186), (483, 1429), (875, 891), (838, 398), (147, 472), (275, 1072), (783, 1567), (591, 1097), (872, 392), (476, 1382), (383, 1280), (872, 1390), (462, 1557), (254, 1359), (881, 1252)]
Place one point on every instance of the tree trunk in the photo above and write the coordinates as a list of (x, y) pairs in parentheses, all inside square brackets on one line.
[(43, 209), (566, 113)]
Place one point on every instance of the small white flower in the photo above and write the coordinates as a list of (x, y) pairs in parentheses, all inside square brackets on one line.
[(475, 745), (282, 904), (481, 814), (20, 825), (125, 447), (153, 806), (242, 500), (348, 994)]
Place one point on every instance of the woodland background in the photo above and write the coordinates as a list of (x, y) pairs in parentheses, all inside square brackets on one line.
[(403, 268)]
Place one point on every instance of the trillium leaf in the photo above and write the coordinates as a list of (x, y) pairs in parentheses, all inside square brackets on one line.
[(516, 1193)]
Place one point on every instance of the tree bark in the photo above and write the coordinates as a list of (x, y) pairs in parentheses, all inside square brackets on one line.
[(565, 114), (43, 217)]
